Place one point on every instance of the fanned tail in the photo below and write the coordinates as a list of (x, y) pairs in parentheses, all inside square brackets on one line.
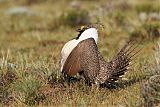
[(119, 63)]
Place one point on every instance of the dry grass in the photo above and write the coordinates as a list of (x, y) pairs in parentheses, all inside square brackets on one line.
[(30, 45)]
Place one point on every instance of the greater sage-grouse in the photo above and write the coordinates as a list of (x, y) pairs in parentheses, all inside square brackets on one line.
[(81, 55)]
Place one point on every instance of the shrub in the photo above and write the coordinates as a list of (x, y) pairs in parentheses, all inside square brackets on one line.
[(147, 7), (76, 17), (137, 34), (120, 18), (148, 31), (150, 91), (6, 79), (28, 90), (153, 30)]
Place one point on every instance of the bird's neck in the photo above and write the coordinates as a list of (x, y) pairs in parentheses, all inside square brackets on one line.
[(89, 33)]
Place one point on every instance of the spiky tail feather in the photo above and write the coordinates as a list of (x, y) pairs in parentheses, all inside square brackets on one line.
[(119, 64)]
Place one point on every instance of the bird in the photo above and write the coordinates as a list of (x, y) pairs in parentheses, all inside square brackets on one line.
[(82, 56)]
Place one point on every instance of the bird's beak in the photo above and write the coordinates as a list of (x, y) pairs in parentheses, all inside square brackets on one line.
[(78, 30)]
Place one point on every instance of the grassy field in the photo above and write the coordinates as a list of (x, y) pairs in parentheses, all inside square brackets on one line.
[(32, 34)]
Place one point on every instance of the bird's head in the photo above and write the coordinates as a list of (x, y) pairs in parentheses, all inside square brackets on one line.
[(86, 32)]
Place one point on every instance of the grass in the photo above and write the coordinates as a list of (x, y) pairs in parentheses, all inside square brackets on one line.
[(30, 48)]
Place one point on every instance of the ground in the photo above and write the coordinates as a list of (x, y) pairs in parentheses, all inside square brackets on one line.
[(32, 34)]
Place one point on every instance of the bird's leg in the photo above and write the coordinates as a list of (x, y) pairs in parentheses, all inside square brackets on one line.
[(65, 77), (95, 87), (84, 75), (81, 75), (69, 78)]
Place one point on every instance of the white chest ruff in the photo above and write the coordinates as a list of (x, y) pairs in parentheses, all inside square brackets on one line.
[(66, 50)]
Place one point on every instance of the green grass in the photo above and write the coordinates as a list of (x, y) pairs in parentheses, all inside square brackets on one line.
[(30, 48)]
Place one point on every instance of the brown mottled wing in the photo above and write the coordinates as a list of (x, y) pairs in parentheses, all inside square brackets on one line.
[(118, 65), (84, 57), (90, 60)]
